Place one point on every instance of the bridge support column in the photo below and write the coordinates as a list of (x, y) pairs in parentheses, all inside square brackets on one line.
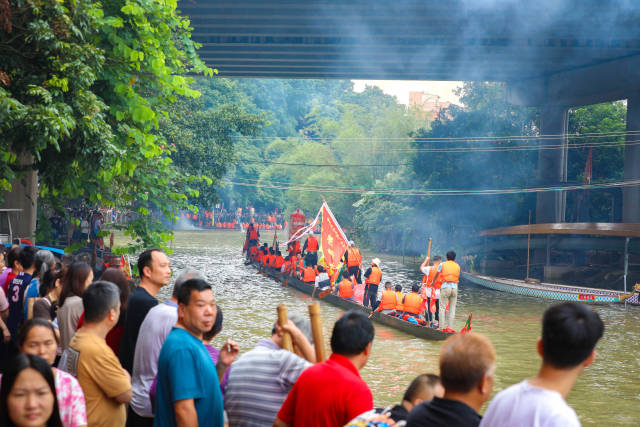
[(23, 195), (631, 195), (552, 164)]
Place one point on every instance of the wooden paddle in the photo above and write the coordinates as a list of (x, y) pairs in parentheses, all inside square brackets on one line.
[(316, 330), (283, 319)]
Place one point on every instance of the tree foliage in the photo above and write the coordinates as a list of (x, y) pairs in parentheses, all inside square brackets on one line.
[(84, 87)]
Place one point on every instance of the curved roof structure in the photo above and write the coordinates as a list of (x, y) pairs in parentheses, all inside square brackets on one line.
[(584, 228)]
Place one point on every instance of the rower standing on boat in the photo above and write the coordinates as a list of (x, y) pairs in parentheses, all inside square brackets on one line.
[(449, 273), (311, 247), (372, 276), (431, 291), (353, 259)]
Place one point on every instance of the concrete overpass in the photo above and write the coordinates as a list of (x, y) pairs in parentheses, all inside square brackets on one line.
[(553, 54)]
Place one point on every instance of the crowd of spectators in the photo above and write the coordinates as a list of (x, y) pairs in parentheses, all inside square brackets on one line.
[(65, 366)]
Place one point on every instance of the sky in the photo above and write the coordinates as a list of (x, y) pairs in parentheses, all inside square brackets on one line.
[(401, 88)]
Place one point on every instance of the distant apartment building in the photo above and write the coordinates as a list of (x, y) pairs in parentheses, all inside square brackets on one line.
[(426, 105)]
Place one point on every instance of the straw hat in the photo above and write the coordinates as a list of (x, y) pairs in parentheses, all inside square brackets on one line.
[(376, 261)]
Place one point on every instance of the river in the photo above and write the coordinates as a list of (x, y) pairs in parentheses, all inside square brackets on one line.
[(608, 393)]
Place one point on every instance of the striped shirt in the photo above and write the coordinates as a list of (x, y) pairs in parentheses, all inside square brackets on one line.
[(259, 382)]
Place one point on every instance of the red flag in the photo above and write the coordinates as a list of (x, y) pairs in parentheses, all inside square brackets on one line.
[(467, 325), (333, 240), (432, 307)]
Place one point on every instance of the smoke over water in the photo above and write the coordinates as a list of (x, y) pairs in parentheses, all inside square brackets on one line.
[(183, 224)]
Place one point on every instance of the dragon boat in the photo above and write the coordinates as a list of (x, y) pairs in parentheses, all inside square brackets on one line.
[(423, 332), (554, 291)]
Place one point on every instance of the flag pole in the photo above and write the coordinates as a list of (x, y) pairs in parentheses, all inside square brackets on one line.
[(528, 244)]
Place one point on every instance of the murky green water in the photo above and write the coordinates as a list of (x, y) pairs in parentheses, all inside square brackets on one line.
[(607, 394)]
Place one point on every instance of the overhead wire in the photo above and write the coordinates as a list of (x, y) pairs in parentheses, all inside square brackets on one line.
[(280, 185), (477, 139)]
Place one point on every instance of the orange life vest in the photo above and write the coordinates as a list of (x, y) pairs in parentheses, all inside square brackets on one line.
[(253, 252), (312, 244), (388, 300), (450, 272), (309, 275), (253, 234), (278, 262), (375, 276), (412, 303), (346, 288), (270, 260), (353, 257), (399, 298)]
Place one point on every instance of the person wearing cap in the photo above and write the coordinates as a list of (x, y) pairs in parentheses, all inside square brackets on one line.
[(260, 380), (352, 260), (311, 247), (372, 278)]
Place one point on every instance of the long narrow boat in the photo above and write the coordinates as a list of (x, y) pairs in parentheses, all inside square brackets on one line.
[(553, 291), (390, 321)]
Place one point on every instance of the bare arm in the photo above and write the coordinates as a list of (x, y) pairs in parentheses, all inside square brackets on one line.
[(4, 315), (124, 397), (425, 263), (299, 340), (186, 415), (279, 423)]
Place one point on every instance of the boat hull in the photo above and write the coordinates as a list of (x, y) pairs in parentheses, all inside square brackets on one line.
[(552, 291), (392, 322)]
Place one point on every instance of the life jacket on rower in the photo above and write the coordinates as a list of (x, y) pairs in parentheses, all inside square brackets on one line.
[(311, 244), (450, 272), (308, 275), (388, 299), (354, 258), (253, 252), (399, 297), (412, 301), (375, 276), (346, 288), (279, 261), (253, 234)]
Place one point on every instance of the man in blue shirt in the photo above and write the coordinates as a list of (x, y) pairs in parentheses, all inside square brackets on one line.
[(188, 391)]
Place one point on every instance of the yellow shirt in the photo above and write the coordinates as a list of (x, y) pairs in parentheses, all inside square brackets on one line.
[(101, 377)]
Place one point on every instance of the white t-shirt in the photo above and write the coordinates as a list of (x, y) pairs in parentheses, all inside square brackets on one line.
[(322, 280), (153, 332), (524, 405), (427, 290)]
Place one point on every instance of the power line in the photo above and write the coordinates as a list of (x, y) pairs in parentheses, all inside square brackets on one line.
[(450, 150), (430, 192), (478, 139)]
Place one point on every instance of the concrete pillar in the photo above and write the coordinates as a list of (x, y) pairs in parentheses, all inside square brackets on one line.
[(552, 164), (23, 195), (631, 195)]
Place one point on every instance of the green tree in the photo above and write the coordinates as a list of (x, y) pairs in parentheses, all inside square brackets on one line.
[(84, 85)]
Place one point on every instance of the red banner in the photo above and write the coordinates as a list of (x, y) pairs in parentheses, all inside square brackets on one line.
[(333, 240)]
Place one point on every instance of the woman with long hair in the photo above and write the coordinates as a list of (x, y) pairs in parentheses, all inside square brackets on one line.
[(50, 289), (28, 394), (78, 278), (117, 277), (44, 261), (37, 337)]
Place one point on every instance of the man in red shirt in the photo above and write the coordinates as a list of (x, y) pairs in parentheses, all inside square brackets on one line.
[(332, 393)]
